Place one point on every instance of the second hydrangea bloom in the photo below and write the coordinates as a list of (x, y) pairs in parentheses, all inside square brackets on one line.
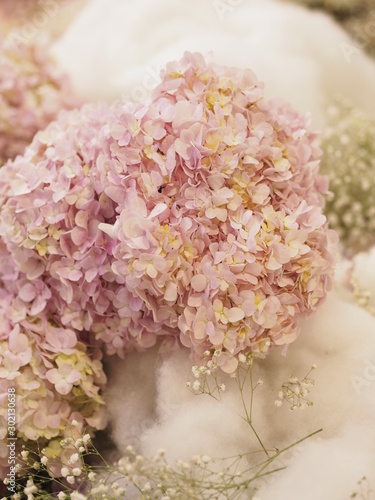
[(32, 93)]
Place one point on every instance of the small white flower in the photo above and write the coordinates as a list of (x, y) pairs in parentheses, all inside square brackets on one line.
[(313, 366), (24, 454), (242, 358), (278, 403), (86, 438), (44, 460), (196, 385), (70, 479), (147, 487), (30, 488), (222, 387), (188, 384), (77, 496), (61, 496), (260, 382), (77, 471), (66, 442), (75, 423), (64, 471), (81, 449), (101, 488), (73, 459), (129, 468), (92, 476)]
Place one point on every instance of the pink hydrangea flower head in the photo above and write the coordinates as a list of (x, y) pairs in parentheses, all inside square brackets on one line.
[(219, 227), (32, 92), (56, 259), (56, 371), (196, 218)]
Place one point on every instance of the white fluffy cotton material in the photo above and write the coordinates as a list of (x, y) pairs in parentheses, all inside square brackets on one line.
[(327, 469), (130, 396), (150, 397), (117, 48)]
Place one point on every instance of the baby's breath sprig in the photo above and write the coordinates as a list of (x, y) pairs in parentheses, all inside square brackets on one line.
[(244, 379), (207, 382), (138, 477), (362, 297), (349, 161), (206, 378), (78, 471), (58, 470), (295, 391)]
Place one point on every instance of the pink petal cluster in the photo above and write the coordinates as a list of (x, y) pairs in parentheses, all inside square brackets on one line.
[(57, 371), (55, 375), (32, 92), (52, 204), (57, 378), (196, 218), (220, 230)]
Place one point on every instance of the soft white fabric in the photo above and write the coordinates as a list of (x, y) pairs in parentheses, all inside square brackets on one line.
[(327, 469), (117, 47)]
